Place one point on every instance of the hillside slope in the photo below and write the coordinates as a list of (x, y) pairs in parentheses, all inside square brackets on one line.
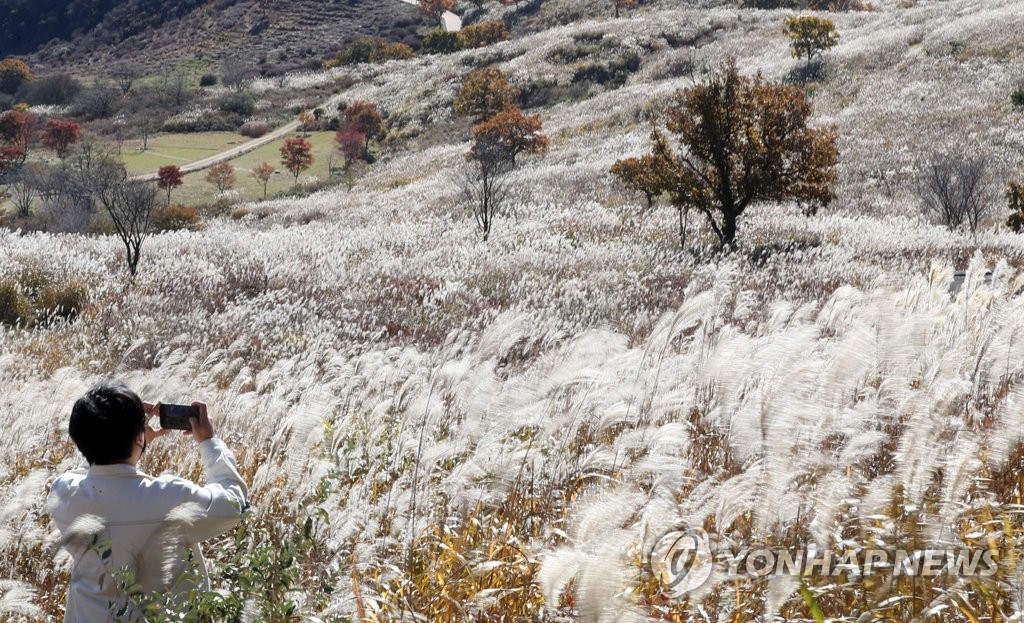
[(153, 33), (481, 420)]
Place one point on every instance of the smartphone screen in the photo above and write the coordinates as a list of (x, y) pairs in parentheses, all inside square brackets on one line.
[(177, 417)]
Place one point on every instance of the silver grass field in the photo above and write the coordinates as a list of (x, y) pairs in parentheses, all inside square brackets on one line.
[(499, 431)]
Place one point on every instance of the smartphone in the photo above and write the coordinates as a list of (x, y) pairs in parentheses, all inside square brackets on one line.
[(177, 417)]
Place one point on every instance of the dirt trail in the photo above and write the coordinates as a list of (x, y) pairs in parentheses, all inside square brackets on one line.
[(231, 154), (451, 23)]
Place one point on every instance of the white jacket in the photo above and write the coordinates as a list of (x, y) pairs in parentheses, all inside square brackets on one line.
[(114, 516)]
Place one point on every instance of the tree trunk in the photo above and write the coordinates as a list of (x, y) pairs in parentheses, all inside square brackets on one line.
[(132, 256), (728, 238), (684, 214)]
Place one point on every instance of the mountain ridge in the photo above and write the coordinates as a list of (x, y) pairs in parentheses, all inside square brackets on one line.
[(278, 34)]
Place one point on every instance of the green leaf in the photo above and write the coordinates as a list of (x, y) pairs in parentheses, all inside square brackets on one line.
[(812, 603)]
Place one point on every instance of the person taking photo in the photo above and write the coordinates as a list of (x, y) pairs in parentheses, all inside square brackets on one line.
[(116, 520)]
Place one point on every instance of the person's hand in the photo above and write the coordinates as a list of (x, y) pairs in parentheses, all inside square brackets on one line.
[(153, 410), (202, 428)]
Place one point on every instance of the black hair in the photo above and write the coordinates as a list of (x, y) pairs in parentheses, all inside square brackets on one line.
[(105, 422)]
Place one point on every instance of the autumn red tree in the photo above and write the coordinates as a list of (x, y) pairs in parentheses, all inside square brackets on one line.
[(168, 178), (17, 129), (512, 133), (741, 141), (351, 143), (296, 155), (364, 117), (436, 8), (59, 135), (262, 174), (484, 93), (10, 159), (222, 176)]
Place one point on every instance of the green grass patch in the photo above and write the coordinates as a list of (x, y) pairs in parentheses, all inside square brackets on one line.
[(197, 190), (192, 70), (179, 149)]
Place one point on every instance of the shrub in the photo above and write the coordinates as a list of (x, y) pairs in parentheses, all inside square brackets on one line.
[(101, 224), (64, 301), (15, 308), (548, 92), (254, 129), (491, 56), (442, 42), (1017, 97), (13, 73), (239, 103), (34, 299), (210, 122), (582, 48), (393, 52), (96, 103), (770, 4), (56, 90), (841, 5), (174, 218), (813, 5), (373, 50), (484, 34), (208, 80), (1015, 201), (613, 73)]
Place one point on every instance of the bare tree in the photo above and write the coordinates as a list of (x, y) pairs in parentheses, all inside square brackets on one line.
[(146, 127), (236, 74), (47, 181), (485, 183), (175, 86), (93, 174), (62, 205), (125, 76), (21, 194), (120, 132), (131, 211), (70, 193), (956, 190), (98, 102)]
